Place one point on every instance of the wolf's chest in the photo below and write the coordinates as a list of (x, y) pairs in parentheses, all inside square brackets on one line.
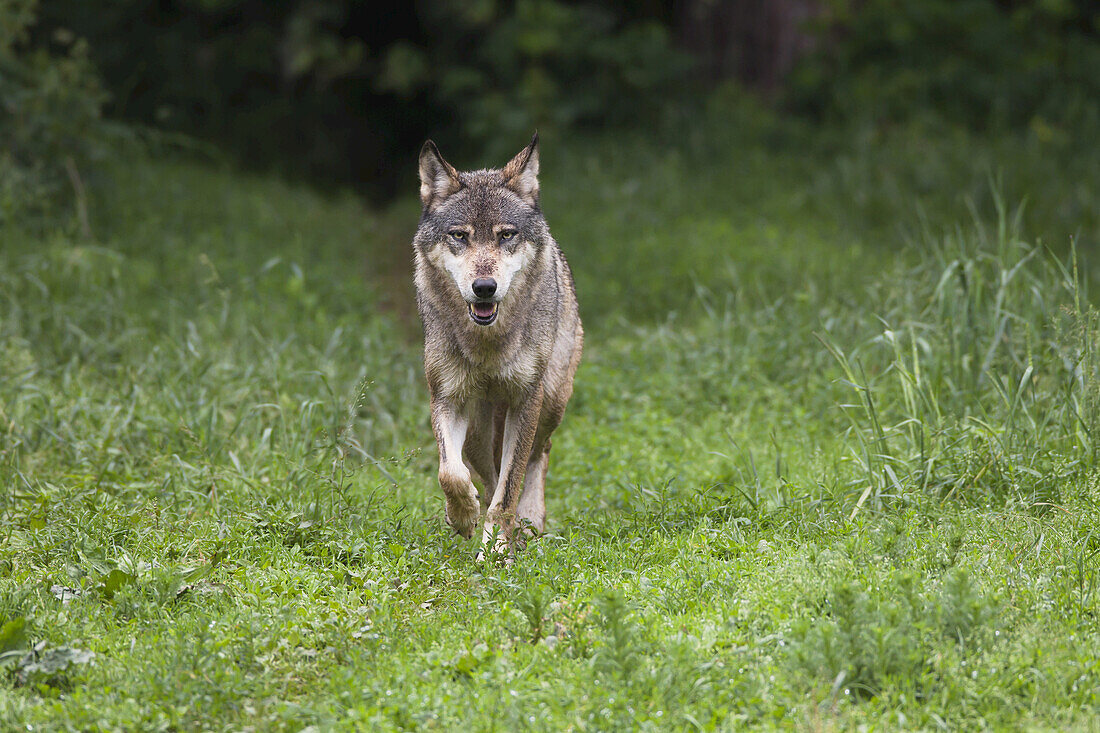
[(503, 376)]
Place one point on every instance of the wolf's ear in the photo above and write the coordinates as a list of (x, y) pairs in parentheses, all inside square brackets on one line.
[(438, 178), (522, 172)]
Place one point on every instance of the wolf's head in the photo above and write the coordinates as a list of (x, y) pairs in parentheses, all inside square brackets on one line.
[(481, 230)]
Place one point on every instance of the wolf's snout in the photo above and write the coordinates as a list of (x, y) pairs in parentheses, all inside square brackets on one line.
[(484, 287)]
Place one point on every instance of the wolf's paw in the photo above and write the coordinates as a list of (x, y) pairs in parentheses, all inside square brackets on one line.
[(496, 542), (463, 514), (501, 556)]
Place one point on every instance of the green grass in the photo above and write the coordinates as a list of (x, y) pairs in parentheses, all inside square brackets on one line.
[(831, 459)]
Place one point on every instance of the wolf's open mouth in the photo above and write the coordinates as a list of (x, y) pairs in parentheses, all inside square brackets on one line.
[(483, 313)]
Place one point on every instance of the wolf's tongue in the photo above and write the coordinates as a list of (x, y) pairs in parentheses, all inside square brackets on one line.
[(484, 310)]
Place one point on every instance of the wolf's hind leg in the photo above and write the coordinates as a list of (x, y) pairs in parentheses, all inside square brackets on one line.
[(450, 427), (531, 512), (520, 425), (479, 448)]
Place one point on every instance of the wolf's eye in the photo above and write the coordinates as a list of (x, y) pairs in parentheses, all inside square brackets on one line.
[(508, 234), (458, 234)]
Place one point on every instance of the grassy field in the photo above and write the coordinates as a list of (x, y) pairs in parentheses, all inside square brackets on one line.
[(831, 459)]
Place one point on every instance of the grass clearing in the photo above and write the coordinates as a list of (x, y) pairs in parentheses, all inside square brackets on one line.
[(831, 458)]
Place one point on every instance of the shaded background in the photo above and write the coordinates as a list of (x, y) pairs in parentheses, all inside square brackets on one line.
[(343, 91)]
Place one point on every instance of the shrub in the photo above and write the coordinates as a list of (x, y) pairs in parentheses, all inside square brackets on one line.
[(322, 88), (886, 629), (540, 63), (50, 105), (979, 62)]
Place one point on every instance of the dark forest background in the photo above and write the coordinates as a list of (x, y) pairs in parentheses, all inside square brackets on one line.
[(343, 91)]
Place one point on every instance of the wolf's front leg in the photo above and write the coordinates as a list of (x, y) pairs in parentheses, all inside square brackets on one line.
[(450, 425), (520, 425)]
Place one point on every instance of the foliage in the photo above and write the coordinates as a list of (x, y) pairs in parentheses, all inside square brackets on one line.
[(980, 62), (884, 629), (503, 70), (1007, 417), (323, 88), (49, 112)]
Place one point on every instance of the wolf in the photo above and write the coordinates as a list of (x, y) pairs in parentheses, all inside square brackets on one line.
[(502, 340)]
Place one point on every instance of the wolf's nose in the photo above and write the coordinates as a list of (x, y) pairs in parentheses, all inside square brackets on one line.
[(484, 287)]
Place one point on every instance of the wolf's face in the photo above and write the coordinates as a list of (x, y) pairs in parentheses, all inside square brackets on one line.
[(480, 230)]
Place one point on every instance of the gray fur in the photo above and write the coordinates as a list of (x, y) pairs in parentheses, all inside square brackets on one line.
[(497, 391)]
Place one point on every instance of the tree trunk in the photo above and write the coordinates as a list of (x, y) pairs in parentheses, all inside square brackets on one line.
[(754, 41)]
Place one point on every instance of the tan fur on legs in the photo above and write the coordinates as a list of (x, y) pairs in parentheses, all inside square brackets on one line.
[(531, 511), (481, 440), (454, 477), (520, 426)]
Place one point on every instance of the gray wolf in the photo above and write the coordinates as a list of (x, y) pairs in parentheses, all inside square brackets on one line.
[(502, 340)]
